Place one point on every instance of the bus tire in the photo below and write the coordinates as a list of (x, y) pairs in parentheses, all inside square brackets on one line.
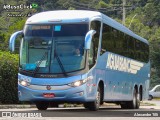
[(42, 105), (54, 105), (86, 105), (138, 101), (124, 105), (94, 106), (135, 103)]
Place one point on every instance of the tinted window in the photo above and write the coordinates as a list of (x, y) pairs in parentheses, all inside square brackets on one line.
[(120, 43), (70, 30), (130, 47), (107, 39)]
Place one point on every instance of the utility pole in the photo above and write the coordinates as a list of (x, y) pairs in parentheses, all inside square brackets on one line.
[(132, 20), (124, 12)]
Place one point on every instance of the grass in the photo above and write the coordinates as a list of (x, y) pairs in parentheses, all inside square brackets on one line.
[(156, 99), (147, 104)]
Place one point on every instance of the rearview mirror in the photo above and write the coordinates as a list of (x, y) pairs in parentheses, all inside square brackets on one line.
[(12, 40), (88, 38)]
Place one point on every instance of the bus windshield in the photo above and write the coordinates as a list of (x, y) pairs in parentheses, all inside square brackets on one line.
[(53, 48)]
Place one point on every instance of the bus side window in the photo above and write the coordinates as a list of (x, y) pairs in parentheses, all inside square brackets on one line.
[(146, 49), (95, 25), (131, 47), (119, 43), (124, 45), (108, 43), (138, 48)]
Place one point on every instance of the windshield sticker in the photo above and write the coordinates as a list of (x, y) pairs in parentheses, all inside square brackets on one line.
[(30, 66), (40, 27), (43, 63), (49, 42), (44, 43), (57, 28)]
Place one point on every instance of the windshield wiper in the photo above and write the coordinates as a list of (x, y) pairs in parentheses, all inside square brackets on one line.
[(37, 66), (60, 63)]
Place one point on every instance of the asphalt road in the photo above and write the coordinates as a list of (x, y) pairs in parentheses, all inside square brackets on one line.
[(111, 112), (156, 102)]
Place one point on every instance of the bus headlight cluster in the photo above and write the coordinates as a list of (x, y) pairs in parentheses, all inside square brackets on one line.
[(78, 83), (24, 82)]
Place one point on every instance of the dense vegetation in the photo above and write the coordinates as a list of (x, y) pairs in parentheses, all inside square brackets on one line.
[(8, 77), (142, 17)]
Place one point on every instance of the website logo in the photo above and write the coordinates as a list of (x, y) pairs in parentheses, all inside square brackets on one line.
[(19, 7), (20, 10)]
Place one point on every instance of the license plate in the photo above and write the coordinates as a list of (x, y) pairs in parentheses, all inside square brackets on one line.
[(48, 95)]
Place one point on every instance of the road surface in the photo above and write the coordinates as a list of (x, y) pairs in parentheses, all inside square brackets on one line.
[(111, 112)]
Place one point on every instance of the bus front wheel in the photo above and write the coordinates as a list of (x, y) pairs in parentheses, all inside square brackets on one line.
[(42, 105), (94, 105)]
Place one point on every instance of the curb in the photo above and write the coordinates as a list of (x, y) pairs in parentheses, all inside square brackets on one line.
[(16, 106)]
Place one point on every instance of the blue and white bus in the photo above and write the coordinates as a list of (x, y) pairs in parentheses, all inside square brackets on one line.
[(78, 56)]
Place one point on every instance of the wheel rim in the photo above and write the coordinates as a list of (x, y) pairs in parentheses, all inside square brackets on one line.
[(134, 100), (138, 100), (98, 99)]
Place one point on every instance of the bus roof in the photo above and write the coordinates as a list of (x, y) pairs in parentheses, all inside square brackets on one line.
[(62, 16), (68, 16)]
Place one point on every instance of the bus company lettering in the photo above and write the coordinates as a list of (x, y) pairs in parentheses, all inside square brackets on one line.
[(116, 62)]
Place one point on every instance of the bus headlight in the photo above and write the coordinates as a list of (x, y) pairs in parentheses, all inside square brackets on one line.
[(24, 83), (78, 83)]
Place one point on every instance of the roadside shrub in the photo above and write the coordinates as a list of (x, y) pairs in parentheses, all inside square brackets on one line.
[(8, 78)]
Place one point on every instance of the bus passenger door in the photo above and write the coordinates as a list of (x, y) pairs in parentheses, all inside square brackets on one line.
[(92, 57)]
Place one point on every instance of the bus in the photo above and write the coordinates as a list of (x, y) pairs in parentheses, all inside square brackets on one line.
[(81, 57)]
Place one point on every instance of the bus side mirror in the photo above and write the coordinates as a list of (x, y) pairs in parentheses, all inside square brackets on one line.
[(88, 38), (12, 40)]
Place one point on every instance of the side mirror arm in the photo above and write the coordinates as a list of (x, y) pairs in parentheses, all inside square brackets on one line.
[(88, 38), (12, 40)]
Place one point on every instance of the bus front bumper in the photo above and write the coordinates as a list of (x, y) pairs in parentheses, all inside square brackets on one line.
[(73, 94)]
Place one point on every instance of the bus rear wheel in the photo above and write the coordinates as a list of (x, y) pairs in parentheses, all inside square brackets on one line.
[(134, 104), (42, 105), (94, 106), (124, 105)]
